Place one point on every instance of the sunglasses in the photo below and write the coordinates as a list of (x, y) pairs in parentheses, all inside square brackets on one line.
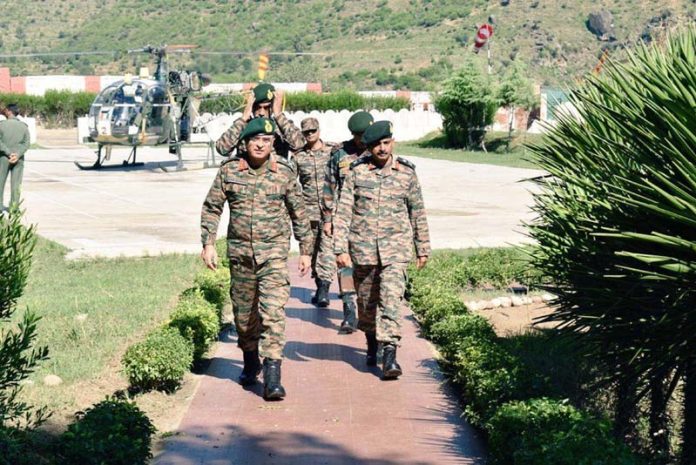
[(309, 132)]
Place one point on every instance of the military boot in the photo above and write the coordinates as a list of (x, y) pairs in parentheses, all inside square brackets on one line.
[(371, 358), (316, 293), (323, 294), (252, 368), (390, 368), (272, 389), (350, 320)]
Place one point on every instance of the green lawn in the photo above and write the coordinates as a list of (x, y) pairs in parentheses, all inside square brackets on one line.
[(433, 146), (93, 309)]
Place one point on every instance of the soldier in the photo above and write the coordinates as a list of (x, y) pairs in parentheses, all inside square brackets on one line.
[(14, 143), (264, 102), (262, 191), (311, 163), (334, 177), (380, 219)]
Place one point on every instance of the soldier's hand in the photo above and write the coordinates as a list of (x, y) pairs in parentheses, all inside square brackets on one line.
[(421, 261), (249, 107), (343, 261), (14, 158), (328, 229), (305, 264), (210, 257), (278, 102)]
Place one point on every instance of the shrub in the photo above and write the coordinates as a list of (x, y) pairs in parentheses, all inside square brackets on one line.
[(456, 332), (198, 321), (114, 432), (215, 286), (548, 431), (160, 361), (55, 107), (438, 304)]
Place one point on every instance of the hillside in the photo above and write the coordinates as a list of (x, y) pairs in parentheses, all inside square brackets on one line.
[(410, 44)]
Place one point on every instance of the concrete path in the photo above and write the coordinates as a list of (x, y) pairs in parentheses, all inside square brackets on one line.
[(140, 211), (337, 410)]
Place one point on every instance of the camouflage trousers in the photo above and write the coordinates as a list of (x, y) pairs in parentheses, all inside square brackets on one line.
[(259, 293), (323, 257), (381, 299)]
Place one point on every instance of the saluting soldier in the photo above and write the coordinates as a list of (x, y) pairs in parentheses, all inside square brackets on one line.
[(262, 192), (311, 163), (380, 220), (334, 177), (263, 102), (14, 143)]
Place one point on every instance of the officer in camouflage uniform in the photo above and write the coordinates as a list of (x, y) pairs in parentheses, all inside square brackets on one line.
[(14, 143), (263, 102), (334, 177), (262, 191), (380, 218), (311, 163)]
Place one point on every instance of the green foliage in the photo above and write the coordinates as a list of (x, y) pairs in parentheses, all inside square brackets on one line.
[(159, 362), (55, 108), (457, 332), (16, 448), (215, 286), (616, 224), (18, 355), (467, 104), (553, 432), (197, 320), (114, 432)]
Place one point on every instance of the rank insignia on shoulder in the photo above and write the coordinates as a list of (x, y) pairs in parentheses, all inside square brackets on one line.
[(358, 162), (344, 163), (405, 162)]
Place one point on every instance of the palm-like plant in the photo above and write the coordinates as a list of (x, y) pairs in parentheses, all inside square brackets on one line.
[(617, 221)]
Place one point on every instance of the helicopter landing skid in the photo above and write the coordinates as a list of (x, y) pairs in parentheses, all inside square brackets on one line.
[(98, 165)]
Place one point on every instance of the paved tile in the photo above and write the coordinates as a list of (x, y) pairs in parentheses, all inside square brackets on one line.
[(337, 410)]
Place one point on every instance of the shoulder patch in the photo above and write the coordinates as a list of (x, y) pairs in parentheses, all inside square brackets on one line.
[(358, 162), (403, 161)]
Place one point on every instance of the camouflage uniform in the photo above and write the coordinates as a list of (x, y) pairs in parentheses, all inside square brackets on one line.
[(258, 240), (14, 138), (311, 166), (288, 137), (380, 218)]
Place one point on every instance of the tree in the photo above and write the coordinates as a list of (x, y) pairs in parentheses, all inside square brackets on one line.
[(467, 104), (515, 91), (18, 356), (616, 226)]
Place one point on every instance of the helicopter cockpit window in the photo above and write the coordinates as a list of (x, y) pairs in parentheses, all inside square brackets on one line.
[(157, 98), (124, 105)]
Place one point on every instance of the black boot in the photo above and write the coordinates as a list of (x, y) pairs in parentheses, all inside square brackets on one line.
[(317, 282), (252, 368), (350, 321), (323, 294), (371, 358), (390, 369), (272, 389)]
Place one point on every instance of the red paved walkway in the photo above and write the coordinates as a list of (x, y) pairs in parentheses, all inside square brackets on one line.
[(337, 410)]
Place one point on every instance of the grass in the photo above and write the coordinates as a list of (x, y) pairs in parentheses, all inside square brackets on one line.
[(92, 310), (434, 146)]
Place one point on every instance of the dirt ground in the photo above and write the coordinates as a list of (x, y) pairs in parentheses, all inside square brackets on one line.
[(515, 320)]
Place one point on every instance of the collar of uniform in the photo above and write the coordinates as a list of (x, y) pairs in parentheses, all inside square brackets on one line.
[(272, 164), (386, 170), (243, 165)]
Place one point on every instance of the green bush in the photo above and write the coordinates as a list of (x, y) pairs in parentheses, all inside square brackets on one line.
[(215, 286), (456, 332), (114, 432), (54, 108), (547, 431), (489, 376), (198, 321), (159, 362), (221, 248), (17, 447), (436, 305)]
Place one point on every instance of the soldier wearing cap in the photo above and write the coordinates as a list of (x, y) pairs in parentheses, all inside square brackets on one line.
[(380, 220), (334, 177), (261, 190), (14, 143), (311, 163), (263, 102)]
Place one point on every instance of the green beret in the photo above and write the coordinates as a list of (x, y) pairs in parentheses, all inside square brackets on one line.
[(264, 93), (360, 121), (376, 132), (258, 126)]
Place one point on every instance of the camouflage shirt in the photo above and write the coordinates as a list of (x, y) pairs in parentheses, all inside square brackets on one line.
[(288, 137), (381, 215), (260, 202), (311, 165), (334, 176)]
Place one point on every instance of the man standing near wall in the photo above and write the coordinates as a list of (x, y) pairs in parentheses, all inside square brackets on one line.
[(264, 102), (334, 177), (311, 163), (380, 219), (14, 143)]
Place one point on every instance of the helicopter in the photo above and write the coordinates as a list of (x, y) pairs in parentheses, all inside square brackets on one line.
[(145, 111)]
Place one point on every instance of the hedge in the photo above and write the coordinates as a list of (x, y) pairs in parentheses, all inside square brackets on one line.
[(197, 320), (54, 108)]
